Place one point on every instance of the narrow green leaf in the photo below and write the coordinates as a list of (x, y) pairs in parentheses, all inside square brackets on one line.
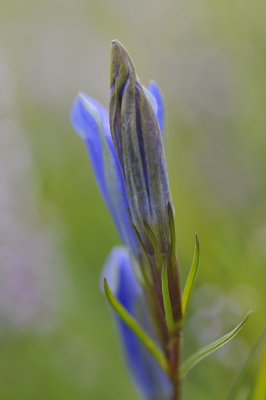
[(260, 388), (210, 348), (166, 300), (135, 327), (191, 278), (238, 383)]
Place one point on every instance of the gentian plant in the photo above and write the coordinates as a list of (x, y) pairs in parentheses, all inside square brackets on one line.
[(141, 278)]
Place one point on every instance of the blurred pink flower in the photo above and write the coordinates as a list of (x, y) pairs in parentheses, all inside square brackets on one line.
[(29, 263)]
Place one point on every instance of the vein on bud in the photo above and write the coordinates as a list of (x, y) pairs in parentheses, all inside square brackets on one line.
[(137, 139)]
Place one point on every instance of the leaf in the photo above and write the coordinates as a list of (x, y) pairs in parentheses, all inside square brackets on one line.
[(191, 278), (166, 300), (238, 383), (210, 348), (135, 327)]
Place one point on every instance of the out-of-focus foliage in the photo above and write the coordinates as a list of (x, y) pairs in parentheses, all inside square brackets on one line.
[(56, 338), (260, 389)]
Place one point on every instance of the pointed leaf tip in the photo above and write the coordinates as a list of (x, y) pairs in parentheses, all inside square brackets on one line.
[(193, 360), (191, 279)]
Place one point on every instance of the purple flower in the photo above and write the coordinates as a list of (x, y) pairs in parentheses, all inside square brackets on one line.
[(152, 382), (117, 178), (90, 120)]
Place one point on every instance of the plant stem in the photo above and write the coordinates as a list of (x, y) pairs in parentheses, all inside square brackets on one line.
[(174, 362), (175, 338)]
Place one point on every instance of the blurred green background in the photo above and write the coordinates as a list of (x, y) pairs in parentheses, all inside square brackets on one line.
[(57, 340)]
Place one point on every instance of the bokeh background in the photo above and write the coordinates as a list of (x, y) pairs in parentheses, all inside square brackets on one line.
[(57, 340)]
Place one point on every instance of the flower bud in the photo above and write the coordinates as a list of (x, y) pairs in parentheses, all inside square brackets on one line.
[(137, 138)]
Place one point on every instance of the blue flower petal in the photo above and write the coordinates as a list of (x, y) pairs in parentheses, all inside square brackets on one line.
[(157, 94), (87, 123), (148, 376), (90, 120)]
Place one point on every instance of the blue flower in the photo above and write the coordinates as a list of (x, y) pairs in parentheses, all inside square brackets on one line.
[(152, 382), (160, 108), (90, 120)]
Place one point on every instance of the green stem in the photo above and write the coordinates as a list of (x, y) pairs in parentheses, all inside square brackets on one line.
[(174, 366)]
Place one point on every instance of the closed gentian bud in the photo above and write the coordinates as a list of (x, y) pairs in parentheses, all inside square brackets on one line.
[(137, 138)]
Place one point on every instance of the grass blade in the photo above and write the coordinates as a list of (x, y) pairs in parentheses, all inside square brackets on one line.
[(260, 388), (210, 348), (257, 347)]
